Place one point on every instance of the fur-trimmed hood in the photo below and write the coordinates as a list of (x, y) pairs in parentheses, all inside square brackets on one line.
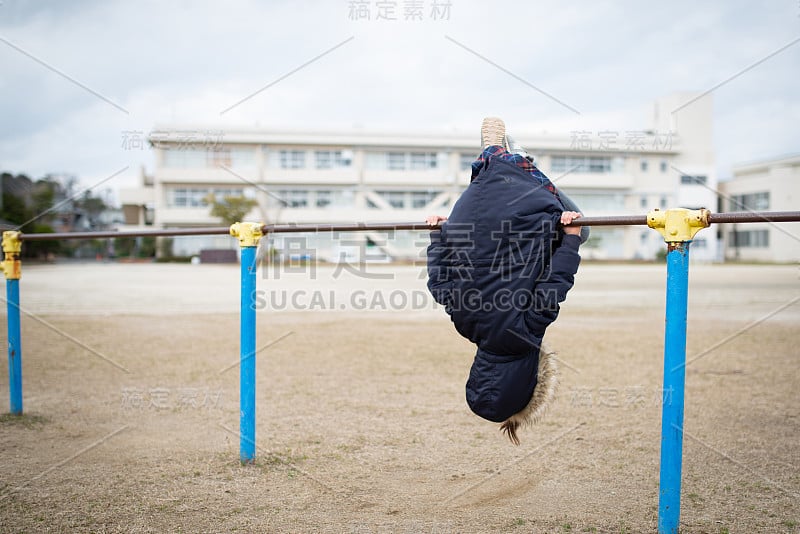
[(543, 396), (514, 390)]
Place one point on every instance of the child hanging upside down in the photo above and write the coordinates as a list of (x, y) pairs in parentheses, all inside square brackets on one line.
[(500, 265)]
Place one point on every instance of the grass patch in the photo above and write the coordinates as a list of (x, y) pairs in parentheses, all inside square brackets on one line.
[(287, 459), (24, 420), (695, 499), (516, 522)]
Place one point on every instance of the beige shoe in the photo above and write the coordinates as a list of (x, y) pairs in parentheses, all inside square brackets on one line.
[(493, 132)]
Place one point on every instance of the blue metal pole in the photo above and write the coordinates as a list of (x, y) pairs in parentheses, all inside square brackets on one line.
[(14, 346), (669, 501), (247, 358)]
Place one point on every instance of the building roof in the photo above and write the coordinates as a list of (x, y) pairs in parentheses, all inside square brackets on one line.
[(207, 135), (753, 167)]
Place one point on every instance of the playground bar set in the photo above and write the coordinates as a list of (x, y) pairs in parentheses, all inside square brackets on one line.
[(678, 227)]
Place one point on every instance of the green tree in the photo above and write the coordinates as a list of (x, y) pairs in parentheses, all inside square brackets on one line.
[(124, 246), (43, 197), (36, 207), (230, 209), (93, 206), (16, 191), (14, 209), (165, 247)]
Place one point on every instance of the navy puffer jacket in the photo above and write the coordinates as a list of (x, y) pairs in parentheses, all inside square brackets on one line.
[(500, 265)]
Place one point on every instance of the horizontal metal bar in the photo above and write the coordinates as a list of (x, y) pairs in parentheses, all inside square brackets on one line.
[(217, 230), (621, 220), (713, 218), (754, 216), (351, 227)]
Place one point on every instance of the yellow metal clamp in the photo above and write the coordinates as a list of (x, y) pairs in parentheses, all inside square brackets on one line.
[(678, 225), (12, 248), (249, 233)]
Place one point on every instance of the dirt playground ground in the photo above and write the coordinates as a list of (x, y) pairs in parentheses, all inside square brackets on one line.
[(131, 398)]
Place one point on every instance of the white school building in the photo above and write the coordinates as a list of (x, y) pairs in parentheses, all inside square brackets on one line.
[(768, 185), (355, 176)]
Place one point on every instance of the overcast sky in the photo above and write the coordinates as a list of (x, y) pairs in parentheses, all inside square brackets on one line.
[(76, 76)]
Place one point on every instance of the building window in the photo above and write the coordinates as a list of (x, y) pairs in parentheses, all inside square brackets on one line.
[(662, 203), (465, 161), (292, 159), (643, 165), (688, 179), (329, 159), (406, 199), (221, 193), (423, 160), (420, 199), (699, 243), (643, 202), (323, 198), (293, 198), (395, 199), (178, 198), (663, 166), (597, 164), (324, 159), (184, 158), (196, 197), (185, 197), (401, 161), (220, 157), (195, 158), (243, 157), (750, 201), (396, 161), (190, 198), (751, 239), (226, 157), (375, 160), (593, 164), (591, 201), (563, 164)]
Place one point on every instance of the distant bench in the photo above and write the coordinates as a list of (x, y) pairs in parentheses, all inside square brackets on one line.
[(218, 255)]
